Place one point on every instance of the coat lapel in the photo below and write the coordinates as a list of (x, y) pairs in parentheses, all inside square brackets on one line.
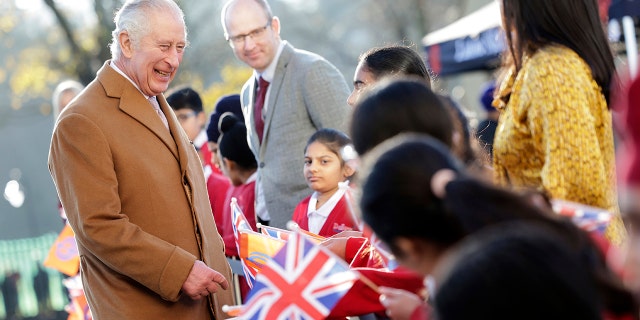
[(133, 103), (275, 88), (181, 142), (248, 95)]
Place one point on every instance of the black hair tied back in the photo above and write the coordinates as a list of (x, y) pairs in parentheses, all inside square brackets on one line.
[(227, 121)]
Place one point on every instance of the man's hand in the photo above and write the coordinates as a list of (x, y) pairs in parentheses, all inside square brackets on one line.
[(203, 281)]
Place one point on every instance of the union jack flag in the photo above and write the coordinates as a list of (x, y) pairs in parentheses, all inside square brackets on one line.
[(294, 227), (586, 217), (240, 223), (302, 281), (276, 233)]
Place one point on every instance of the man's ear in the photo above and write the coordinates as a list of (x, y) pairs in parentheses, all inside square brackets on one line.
[(275, 24), (126, 45)]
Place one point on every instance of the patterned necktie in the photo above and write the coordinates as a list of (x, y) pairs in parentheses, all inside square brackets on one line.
[(261, 93), (156, 107)]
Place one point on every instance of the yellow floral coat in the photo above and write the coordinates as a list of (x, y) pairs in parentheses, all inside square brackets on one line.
[(555, 132)]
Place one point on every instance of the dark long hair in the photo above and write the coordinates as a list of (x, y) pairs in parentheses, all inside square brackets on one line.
[(515, 271), (331, 138), (572, 23), (398, 201), (395, 60), (397, 106)]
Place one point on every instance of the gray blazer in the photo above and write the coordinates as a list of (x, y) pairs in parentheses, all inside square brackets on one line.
[(307, 93)]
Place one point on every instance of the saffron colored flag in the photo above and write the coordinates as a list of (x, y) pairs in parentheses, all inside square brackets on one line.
[(63, 255), (586, 217), (78, 308), (255, 250), (302, 281)]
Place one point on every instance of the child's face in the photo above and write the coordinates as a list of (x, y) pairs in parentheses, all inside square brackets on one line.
[(322, 168), (191, 122), (228, 169), (213, 148)]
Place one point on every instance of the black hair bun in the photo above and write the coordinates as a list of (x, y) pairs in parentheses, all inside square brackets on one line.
[(227, 121)]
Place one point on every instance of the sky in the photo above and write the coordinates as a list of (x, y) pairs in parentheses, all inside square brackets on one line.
[(45, 16), (35, 5)]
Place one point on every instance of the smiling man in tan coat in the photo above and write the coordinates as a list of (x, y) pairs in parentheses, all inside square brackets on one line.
[(132, 184)]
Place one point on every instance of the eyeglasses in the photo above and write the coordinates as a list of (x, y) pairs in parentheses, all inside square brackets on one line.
[(253, 34), (185, 116)]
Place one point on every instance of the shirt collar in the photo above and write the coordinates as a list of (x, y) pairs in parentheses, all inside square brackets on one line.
[(201, 139), (252, 177), (115, 67), (270, 72), (326, 209)]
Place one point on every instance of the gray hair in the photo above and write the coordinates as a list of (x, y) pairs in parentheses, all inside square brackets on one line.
[(63, 87), (132, 18)]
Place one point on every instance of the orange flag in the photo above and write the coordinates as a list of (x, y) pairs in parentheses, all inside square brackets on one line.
[(78, 309), (256, 249), (63, 255)]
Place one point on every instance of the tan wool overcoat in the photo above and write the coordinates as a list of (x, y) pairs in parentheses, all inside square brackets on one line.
[(135, 196)]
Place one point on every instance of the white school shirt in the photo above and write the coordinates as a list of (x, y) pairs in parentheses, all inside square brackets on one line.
[(317, 217)]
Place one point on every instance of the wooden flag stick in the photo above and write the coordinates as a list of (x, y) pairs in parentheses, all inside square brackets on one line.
[(233, 311), (368, 282)]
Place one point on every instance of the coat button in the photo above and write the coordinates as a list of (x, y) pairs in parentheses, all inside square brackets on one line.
[(261, 164)]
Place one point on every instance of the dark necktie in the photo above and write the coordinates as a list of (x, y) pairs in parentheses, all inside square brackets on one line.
[(261, 93)]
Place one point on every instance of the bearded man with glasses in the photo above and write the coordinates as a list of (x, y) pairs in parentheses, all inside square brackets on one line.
[(292, 94)]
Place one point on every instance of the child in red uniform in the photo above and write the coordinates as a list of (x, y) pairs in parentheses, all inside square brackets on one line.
[(239, 165), (217, 183), (325, 212)]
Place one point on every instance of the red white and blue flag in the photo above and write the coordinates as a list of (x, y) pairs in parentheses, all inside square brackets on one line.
[(588, 218), (276, 233), (302, 281), (240, 223), (282, 234)]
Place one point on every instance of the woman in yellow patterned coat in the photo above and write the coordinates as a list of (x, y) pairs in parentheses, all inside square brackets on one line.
[(555, 131)]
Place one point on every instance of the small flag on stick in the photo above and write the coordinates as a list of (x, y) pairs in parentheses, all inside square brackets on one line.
[(63, 255), (302, 281), (586, 217)]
